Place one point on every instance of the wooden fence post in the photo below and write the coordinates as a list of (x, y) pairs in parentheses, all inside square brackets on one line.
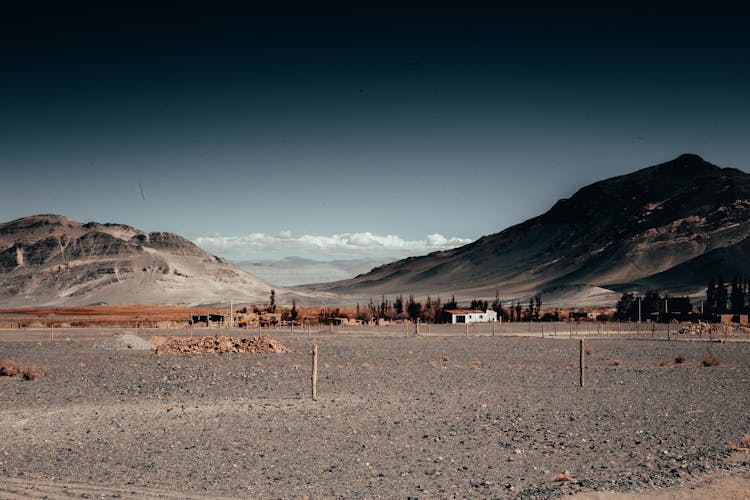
[(314, 376), (581, 363)]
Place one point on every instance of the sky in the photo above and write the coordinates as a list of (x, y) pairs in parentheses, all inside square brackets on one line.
[(354, 130)]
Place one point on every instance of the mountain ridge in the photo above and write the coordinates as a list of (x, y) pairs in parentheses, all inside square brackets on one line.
[(662, 227), (610, 233), (49, 259)]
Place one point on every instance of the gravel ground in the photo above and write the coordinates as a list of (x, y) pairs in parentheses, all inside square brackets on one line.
[(396, 417)]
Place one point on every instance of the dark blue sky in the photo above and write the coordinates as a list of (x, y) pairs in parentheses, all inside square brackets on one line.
[(321, 129)]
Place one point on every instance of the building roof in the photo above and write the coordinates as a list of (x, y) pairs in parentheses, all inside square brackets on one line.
[(464, 311)]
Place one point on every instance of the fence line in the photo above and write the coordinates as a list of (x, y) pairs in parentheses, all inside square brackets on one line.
[(563, 329)]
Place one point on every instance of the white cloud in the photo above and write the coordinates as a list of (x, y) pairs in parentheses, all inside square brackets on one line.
[(338, 245)]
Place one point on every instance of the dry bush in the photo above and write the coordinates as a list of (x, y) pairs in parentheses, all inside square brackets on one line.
[(445, 358), (30, 373), (710, 361), (589, 351), (680, 359), (616, 362), (565, 477), (8, 368), (11, 369)]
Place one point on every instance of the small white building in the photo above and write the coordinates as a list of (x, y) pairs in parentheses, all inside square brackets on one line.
[(472, 316)]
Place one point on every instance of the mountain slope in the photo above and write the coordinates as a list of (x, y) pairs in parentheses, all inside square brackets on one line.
[(695, 273), (608, 234), (52, 260)]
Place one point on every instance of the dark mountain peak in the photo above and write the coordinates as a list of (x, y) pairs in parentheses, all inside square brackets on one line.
[(688, 169), (609, 233), (684, 164), (690, 158), (673, 185)]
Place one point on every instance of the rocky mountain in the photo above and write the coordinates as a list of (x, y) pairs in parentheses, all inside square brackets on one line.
[(655, 227), (52, 260)]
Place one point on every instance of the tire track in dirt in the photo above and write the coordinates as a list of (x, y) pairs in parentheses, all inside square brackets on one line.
[(12, 488)]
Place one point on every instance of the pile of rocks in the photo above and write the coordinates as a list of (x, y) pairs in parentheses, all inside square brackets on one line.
[(219, 344), (716, 330)]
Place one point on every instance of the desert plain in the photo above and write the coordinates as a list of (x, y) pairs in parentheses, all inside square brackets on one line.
[(398, 415)]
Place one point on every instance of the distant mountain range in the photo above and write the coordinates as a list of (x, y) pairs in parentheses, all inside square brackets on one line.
[(297, 270), (52, 260), (667, 227)]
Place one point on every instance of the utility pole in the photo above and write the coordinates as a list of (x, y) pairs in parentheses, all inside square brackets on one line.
[(639, 309)]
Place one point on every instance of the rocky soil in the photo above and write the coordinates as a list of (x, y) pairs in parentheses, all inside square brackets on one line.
[(395, 417)]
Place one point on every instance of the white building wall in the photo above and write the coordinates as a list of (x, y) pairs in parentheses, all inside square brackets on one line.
[(485, 317)]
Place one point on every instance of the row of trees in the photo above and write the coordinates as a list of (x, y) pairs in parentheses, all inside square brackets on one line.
[(721, 298), (435, 311), (636, 308), (728, 298), (432, 311)]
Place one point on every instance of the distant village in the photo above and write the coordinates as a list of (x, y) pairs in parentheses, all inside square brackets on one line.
[(719, 307), (723, 303)]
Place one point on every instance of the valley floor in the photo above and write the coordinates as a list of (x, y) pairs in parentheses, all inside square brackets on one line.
[(420, 416)]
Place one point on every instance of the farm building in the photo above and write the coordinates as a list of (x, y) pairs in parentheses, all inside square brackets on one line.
[(471, 316)]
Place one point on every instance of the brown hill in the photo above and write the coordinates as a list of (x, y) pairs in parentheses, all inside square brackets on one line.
[(606, 237), (52, 260)]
